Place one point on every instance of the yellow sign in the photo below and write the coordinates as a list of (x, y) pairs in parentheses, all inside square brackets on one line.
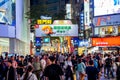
[(44, 21), (81, 50)]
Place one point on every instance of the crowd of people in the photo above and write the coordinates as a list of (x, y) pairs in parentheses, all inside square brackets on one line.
[(59, 66)]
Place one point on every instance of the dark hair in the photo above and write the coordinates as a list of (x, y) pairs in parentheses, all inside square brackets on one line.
[(10, 61), (79, 60), (29, 69), (52, 58), (91, 62)]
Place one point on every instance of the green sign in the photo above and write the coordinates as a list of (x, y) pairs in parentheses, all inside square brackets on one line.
[(62, 29)]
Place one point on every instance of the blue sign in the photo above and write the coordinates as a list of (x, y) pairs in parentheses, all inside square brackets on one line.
[(38, 41), (75, 41), (81, 21), (83, 43), (108, 20)]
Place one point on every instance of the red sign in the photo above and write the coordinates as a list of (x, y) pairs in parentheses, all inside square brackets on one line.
[(109, 41)]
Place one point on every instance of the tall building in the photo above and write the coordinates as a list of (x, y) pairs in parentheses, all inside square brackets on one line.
[(53, 6), (14, 28)]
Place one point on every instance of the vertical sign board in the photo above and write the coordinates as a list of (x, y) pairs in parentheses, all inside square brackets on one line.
[(86, 14)]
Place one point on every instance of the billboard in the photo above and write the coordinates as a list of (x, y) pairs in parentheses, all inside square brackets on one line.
[(68, 11), (86, 14), (7, 31), (83, 43), (107, 30), (108, 41), (106, 20), (105, 7), (6, 11), (56, 30)]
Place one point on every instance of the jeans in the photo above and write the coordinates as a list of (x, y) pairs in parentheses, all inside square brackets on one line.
[(109, 72)]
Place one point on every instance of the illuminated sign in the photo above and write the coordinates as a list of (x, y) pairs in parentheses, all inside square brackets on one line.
[(68, 11), (57, 30), (105, 7), (109, 41), (45, 17), (83, 43), (62, 22), (86, 14), (44, 21), (107, 20), (6, 11)]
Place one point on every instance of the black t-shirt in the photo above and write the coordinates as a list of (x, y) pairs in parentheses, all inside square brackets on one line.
[(108, 62), (92, 72), (53, 72)]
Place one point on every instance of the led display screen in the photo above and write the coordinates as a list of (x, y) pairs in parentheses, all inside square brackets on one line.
[(46, 40), (6, 11), (105, 7)]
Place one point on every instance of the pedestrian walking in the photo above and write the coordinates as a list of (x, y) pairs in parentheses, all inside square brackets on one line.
[(28, 75), (53, 71)]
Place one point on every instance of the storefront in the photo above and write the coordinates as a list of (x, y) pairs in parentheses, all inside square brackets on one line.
[(107, 43), (61, 32), (4, 45)]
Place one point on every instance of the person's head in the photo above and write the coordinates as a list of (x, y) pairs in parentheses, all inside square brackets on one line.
[(37, 59), (44, 56), (22, 58), (69, 58), (29, 68), (79, 60), (9, 63), (52, 59), (12, 58), (91, 62), (109, 56)]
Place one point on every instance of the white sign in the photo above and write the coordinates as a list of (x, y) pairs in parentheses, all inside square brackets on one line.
[(68, 11), (86, 14), (105, 7), (45, 17), (56, 30)]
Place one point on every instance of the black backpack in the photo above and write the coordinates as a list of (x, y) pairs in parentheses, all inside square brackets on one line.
[(108, 62), (68, 71)]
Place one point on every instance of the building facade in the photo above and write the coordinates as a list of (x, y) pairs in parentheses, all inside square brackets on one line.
[(14, 36)]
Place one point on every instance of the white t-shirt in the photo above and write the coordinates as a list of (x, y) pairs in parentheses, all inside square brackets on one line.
[(43, 63), (31, 76), (67, 63)]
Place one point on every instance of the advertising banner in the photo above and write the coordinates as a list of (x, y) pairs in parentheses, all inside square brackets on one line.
[(109, 30), (109, 20), (96, 31), (7, 31), (6, 11), (86, 14), (109, 41), (105, 7), (68, 11), (56, 30), (83, 43)]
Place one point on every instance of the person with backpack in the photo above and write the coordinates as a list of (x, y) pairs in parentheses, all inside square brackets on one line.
[(81, 67), (37, 67), (28, 75), (68, 68), (108, 64), (53, 71), (92, 71)]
